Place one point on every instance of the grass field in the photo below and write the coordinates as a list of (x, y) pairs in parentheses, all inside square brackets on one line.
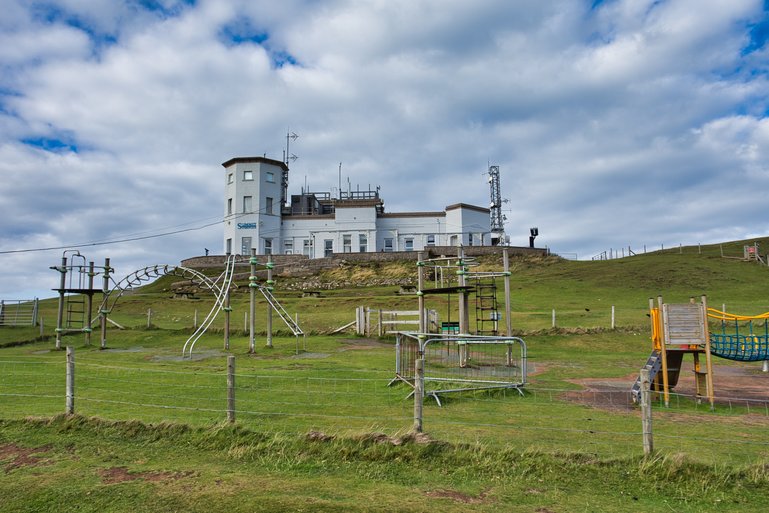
[(322, 431)]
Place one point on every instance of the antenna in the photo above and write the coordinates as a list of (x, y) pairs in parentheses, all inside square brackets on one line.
[(287, 156), (495, 206)]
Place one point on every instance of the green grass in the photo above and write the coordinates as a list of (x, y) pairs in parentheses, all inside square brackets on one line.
[(220, 468), (143, 409)]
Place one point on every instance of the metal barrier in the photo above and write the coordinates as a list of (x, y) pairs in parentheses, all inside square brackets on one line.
[(458, 363), (18, 312)]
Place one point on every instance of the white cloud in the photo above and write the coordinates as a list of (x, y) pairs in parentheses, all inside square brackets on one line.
[(614, 125)]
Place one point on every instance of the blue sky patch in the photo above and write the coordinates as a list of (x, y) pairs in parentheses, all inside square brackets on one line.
[(241, 31), (51, 144)]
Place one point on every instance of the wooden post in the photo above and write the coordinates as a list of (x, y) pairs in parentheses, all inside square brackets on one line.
[(231, 389), (664, 352), (195, 319), (149, 317), (464, 312), (60, 310), (420, 294), (419, 393), (227, 311), (612, 317), (89, 305), (708, 356), (381, 318), (508, 309), (70, 382), (553, 317), (105, 302), (269, 307), (646, 412), (252, 298)]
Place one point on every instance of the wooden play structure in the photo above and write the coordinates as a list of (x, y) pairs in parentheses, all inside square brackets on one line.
[(680, 329)]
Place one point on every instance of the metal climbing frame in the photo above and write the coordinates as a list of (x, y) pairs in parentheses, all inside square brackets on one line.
[(461, 363), (76, 290), (487, 314)]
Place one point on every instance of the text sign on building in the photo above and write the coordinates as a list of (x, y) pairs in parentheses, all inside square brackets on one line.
[(246, 226)]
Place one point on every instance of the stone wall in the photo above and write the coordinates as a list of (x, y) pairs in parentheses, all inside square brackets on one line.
[(300, 265)]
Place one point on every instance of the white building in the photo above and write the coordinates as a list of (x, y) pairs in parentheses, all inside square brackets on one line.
[(258, 215)]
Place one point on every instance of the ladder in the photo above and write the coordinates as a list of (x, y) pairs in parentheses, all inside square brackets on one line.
[(292, 325)]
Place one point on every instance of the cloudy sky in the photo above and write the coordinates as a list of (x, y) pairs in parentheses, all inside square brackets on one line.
[(614, 122)]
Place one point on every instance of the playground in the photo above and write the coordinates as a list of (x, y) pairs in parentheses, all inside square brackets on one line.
[(570, 410)]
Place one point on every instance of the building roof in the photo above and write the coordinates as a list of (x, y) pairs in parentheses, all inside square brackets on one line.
[(254, 160), (468, 207)]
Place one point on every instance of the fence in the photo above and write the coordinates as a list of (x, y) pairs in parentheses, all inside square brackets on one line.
[(300, 402), (18, 312)]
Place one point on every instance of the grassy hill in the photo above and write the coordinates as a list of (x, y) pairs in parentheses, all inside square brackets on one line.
[(321, 430)]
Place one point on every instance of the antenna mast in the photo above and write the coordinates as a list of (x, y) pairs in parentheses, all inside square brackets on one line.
[(495, 207), (287, 156)]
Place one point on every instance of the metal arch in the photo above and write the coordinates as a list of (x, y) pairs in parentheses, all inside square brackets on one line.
[(147, 274)]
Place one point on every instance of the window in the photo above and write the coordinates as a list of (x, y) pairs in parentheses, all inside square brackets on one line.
[(362, 243), (268, 206), (430, 240), (228, 247), (247, 204), (268, 246), (347, 243), (470, 238), (409, 244), (245, 246), (307, 247), (269, 177), (230, 178), (288, 247), (328, 247), (229, 206), (388, 245), (248, 176)]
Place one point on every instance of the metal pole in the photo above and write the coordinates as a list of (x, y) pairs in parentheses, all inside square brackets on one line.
[(646, 412), (252, 297), (70, 382), (227, 311), (231, 389), (419, 393)]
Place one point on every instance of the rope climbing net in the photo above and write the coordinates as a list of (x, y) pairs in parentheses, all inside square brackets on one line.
[(741, 338)]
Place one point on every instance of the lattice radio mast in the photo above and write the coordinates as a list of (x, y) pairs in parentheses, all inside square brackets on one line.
[(495, 206)]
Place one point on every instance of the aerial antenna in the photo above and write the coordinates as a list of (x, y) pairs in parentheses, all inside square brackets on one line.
[(287, 156)]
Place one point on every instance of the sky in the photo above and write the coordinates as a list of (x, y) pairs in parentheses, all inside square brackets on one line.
[(615, 123)]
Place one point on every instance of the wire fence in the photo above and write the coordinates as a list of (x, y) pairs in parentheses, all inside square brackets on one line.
[(601, 423)]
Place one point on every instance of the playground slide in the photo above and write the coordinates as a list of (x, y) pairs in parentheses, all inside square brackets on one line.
[(654, 364)]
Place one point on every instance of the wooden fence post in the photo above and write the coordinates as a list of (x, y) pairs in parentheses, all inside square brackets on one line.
[(419, 393), (149, 318), (70, 382), (646, 412), (553, 317), (612, 317), (231, 389)]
